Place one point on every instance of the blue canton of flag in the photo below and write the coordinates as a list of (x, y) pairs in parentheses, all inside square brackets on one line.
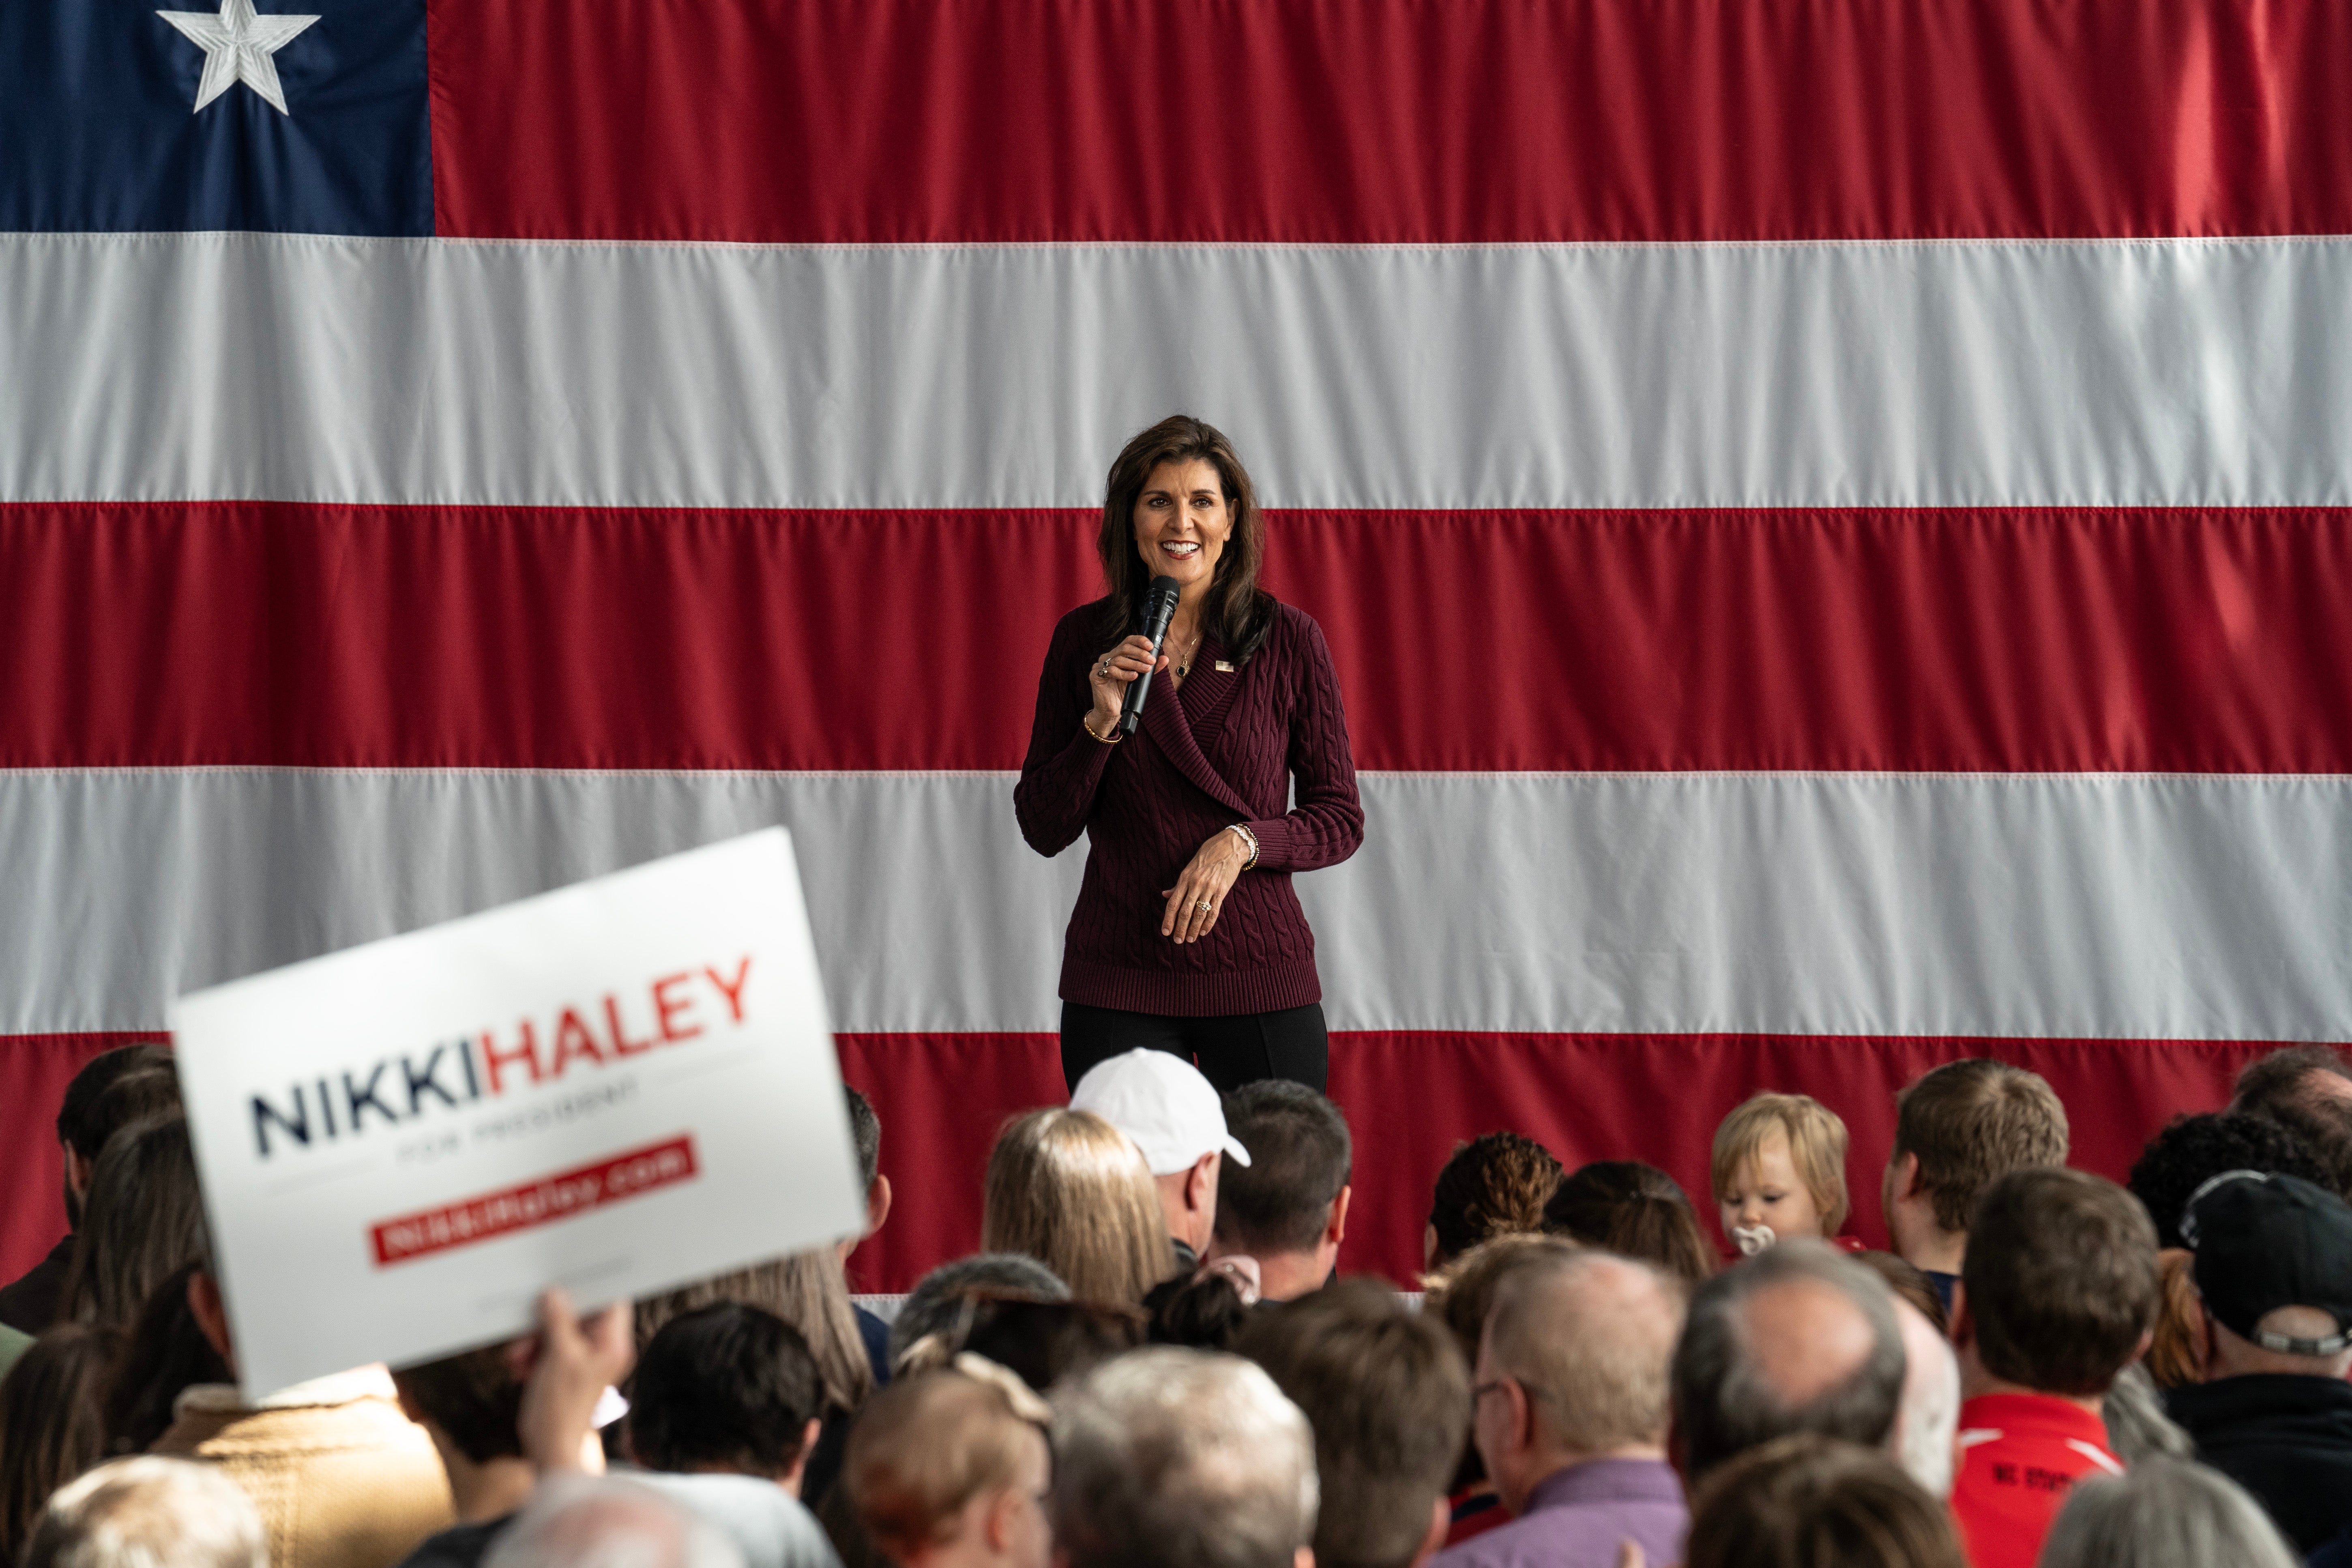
[(215, 114)]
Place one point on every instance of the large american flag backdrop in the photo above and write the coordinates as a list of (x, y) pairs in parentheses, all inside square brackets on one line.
[(1830, 518)]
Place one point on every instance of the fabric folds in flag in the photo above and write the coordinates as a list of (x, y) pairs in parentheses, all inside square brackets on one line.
[(1830, 521)]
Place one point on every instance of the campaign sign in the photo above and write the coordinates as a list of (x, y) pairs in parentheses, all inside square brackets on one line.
[(618, 1087)]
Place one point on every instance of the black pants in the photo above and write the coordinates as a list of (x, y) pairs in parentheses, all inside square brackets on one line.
[(1229, 1051)]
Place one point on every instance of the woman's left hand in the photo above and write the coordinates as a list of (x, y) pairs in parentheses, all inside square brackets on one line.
[(1199, 895)]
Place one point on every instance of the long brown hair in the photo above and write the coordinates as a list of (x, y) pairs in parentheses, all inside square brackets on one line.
[(167, 1353), (1238, 612), (52, 1422), (1072, 1191), (141, 1219)]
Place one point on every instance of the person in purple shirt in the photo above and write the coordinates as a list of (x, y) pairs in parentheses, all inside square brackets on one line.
[(1569, 1409)]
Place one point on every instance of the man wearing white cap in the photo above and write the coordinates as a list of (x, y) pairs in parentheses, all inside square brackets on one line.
[(1161, 1101)]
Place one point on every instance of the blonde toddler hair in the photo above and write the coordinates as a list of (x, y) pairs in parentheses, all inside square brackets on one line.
[(1817, 1141)]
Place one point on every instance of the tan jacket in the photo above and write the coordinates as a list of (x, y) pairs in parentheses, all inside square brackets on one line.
[(342, 1479)]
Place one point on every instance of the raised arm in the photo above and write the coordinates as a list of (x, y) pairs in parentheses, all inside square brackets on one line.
[(1327, 824), (1064, 764)]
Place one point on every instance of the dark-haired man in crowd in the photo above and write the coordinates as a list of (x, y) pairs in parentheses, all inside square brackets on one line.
[(1161, 1101), (30, 1304), (1957, 1128), (1389, 1398), (727, 1389), (1288, 1208), (1797, 1339), (575, 1363), (866, 1136), (1169, 1457), (2059, 1294), (1570, 1415), (2275, 1414)]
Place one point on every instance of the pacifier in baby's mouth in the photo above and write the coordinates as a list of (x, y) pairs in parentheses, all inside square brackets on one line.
[(1752, 1239)]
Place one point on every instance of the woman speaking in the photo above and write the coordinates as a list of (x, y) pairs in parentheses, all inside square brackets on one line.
[(1187, 936)]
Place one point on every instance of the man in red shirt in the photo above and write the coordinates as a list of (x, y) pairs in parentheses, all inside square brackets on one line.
[(2058, 1294)]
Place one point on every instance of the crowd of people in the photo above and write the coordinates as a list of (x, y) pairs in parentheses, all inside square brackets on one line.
[(1154, 1361)]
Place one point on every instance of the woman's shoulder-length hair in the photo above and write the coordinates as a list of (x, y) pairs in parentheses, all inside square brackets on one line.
[(1069, 1189), (1239, 612)]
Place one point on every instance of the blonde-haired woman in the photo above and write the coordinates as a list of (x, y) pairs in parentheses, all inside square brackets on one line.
[(1073, 1191)]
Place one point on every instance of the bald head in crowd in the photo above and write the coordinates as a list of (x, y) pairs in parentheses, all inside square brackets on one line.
[(1586, 1340), (603, 1522), (1798, 1338), (1167, 1457), (1569, 1413), (149, 1513)]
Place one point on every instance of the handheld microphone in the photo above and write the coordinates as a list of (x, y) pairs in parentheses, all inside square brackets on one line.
[(1158, 609)]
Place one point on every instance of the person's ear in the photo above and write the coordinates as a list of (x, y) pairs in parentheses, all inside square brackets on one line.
[(997, 1529), (211, 1313), (1521, 1427), (1429, 1246), (1907, 1178), (1441, 1524), (1964, 1322), (1200, 1185), (1303, 1558), (78, 1167), (1678, 1450), (877, 1203), (1337, 1231), (791, 1479)]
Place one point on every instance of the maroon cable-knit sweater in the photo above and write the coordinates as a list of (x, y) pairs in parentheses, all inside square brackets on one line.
[(1222, 748)]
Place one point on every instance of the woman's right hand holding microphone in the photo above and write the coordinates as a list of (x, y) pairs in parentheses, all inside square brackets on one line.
[(1109, 677)]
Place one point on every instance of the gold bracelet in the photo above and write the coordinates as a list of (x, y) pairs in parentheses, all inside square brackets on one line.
[(1113, 739)]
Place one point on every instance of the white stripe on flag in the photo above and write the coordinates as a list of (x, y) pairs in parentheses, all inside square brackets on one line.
[(310, 368), (2202, 907)]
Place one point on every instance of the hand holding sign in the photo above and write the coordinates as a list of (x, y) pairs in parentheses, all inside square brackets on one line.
[(573, 1363), (619, 1087)]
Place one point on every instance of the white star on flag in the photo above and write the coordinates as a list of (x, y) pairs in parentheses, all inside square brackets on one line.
[(237, 44)]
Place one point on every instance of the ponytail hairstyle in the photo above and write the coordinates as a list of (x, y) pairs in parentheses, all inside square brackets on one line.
[(1238, 612)]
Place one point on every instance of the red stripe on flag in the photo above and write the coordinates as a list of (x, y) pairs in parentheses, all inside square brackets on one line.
[(1381, 120), (34, 1072), (1986, 640)]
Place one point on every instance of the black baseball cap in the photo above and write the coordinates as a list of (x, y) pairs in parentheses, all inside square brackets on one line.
[(2265, 1242)]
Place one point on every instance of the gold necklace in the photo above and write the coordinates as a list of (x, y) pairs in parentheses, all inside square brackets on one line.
[(1184, 665)]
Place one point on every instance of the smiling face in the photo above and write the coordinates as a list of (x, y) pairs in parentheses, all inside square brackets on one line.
[(1765, 1190), (1182, 522)]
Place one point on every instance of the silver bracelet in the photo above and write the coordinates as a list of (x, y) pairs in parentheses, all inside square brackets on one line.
[(1248, 838)]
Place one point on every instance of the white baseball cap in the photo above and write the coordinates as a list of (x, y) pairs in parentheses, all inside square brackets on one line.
[(1161, 1101)]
